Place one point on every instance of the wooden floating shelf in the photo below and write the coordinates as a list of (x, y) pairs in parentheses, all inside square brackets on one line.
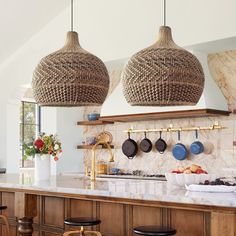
[(91, 146), (166, 115), (94, 122)]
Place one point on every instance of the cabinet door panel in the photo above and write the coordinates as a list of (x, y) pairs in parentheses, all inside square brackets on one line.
[(113, 219), (81, 208), (188, 222), (53, 211), (223, 223), (8, 199), (146, 216)]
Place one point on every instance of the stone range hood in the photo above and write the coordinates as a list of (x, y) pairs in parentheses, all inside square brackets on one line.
[(212, 97)]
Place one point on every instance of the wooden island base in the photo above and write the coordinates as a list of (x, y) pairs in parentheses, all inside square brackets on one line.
[(118, 216)]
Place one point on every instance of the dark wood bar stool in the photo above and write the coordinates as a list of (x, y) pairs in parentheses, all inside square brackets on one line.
[(5, 220), (154, 231), (82, 222)]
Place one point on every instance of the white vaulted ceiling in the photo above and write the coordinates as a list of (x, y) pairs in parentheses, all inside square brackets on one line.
[(21, 19), (114, 29)]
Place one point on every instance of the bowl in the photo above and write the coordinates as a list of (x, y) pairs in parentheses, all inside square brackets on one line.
[(91, 140), (182, 179), (93, 116), (115, 170)]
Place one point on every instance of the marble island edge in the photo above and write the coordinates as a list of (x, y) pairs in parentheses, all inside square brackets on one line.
[(122, 190)]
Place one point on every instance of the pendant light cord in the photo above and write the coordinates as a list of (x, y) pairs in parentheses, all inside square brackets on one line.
[(72, 15), (164, 12)]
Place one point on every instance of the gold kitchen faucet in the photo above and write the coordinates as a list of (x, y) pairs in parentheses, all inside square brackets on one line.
[(93, 160)]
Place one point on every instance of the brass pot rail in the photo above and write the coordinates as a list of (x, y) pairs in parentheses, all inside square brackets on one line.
[(215, 126)]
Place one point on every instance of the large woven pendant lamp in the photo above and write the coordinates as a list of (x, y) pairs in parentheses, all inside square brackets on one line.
[(70, 76), (163, 74)]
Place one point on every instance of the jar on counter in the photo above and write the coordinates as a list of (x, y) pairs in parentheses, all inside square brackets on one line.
[(102, 168)]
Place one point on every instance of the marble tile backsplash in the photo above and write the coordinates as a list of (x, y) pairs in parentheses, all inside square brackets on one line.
[(219, 151)]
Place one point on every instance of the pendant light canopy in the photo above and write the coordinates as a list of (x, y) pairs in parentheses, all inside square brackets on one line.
[(163, 74), (70, 76)]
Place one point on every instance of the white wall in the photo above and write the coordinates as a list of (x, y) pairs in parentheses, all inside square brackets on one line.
[(113, 29), (49, 126), (70, 135), (13, 130), (62, 121)]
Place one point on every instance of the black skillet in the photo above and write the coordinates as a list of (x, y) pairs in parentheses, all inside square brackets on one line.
[(146, 144), (161, 145), (130, 147)]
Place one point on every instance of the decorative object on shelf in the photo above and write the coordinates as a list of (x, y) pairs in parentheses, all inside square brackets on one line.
[(163, 74), (91, 140), (42, 149), (70, 76), (93, 116), (105, 136)]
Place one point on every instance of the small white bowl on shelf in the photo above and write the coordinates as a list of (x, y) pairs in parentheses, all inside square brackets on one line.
[(182, 179)]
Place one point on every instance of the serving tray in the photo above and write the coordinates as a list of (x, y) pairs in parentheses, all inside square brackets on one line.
[(210, 188)]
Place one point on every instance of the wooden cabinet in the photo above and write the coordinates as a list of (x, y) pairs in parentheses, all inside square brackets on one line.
[(119, 216)]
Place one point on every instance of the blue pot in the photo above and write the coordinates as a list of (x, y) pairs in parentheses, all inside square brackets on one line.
[(179, 152), (93, 116), (196, 148)]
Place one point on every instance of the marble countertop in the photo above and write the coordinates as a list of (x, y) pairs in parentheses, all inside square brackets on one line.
[(152, 190)]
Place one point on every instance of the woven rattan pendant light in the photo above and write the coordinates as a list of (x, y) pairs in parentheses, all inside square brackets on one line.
[(163, 74), (70, 76)]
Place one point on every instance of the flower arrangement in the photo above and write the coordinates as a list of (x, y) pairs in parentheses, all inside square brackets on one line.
[(44, 144)]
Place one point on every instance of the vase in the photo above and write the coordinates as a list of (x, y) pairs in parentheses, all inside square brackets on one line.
[(42, 167)]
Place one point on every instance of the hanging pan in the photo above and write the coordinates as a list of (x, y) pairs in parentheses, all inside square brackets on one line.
[(129, 147), (161, 144), (196, 147), (179, 151), (146, 144)]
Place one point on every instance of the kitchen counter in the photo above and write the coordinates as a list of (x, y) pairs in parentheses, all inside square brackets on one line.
[(148, 190), (138, 201)]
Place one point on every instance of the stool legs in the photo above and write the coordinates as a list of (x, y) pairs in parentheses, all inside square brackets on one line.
[(5, 220), (69, 233)]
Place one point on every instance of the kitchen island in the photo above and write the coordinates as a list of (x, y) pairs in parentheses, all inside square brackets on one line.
[(120, 204)]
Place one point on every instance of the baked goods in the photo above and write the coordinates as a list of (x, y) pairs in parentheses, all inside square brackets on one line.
[(193, 169)]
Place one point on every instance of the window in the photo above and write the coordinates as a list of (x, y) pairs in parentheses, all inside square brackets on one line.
[(30, 116)]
